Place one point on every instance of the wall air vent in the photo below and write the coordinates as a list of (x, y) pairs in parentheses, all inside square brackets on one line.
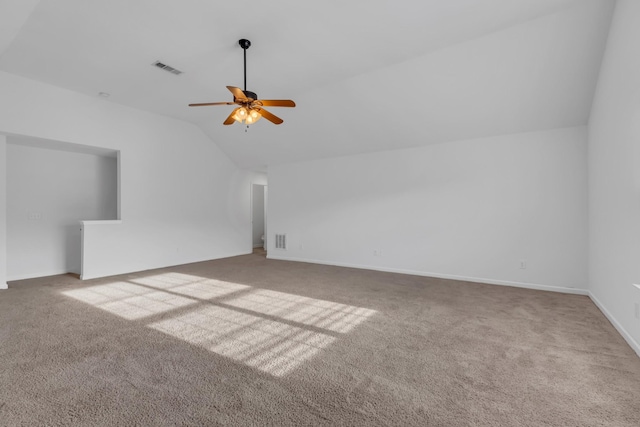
[(281, 241), (167, 68)]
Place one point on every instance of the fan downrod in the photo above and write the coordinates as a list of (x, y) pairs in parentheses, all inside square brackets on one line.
[(244, 44)]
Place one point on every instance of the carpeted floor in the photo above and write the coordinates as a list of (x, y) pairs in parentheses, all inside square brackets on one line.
[(251, 341)]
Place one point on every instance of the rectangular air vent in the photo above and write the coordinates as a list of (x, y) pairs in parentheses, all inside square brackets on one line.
[(167, 68), (281, 241)]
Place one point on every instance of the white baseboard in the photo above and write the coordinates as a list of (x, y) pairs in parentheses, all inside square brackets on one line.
[(3, 285), (565, 290), (627, 337), (37, 275)]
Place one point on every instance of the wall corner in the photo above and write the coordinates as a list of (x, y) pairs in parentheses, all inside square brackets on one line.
[(3, 212)]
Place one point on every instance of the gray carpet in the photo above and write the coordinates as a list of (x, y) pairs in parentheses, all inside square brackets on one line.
[(250, 341)]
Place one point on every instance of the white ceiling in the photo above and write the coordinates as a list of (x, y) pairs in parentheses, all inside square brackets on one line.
[(366, 75)]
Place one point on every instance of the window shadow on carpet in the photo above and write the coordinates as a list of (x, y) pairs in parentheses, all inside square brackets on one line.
[(274, 332)]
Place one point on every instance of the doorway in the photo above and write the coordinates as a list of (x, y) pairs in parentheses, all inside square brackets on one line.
[(259, 216)]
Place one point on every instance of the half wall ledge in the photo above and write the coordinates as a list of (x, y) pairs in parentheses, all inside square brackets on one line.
[(91, 248)]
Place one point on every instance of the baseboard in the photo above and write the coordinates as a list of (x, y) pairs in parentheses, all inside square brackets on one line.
[(621, 330), (3, 285), (564, 290), (35, 275)]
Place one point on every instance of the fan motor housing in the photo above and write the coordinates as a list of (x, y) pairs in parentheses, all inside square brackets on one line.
[(250, 94)]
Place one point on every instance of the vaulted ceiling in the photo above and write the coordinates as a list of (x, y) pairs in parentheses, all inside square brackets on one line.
[(366, 76)]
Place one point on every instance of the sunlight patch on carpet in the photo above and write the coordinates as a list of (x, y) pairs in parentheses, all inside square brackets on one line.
[(270, 346), (272, 331), (191, 286), (128, 300), (328, 315)]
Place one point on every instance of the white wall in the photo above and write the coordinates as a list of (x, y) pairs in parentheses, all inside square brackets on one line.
[(257, 208), (3, 212), (48, 193), (614, 176), (469, 209), (180, 198)]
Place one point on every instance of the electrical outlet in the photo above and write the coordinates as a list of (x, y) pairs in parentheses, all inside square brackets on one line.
[(523, 264), (34, 216), (377, 252)]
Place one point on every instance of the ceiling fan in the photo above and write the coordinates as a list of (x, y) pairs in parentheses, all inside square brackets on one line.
[(250, 108)]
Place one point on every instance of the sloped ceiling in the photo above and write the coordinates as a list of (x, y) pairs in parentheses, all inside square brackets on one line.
[(366, 76)]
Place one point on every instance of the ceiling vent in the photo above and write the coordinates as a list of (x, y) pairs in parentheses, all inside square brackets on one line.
[(167, 68)]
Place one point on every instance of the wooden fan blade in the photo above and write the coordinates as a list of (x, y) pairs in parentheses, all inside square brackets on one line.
[(211, 103), (267, 115), (277, 102), (238, 94), (230, 120)]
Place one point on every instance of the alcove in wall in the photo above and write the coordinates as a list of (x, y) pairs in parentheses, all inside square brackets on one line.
[(51, 186)]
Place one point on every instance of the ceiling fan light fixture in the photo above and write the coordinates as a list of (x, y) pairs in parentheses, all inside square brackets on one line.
[(254, 116), (250, 108), (240, 115)]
